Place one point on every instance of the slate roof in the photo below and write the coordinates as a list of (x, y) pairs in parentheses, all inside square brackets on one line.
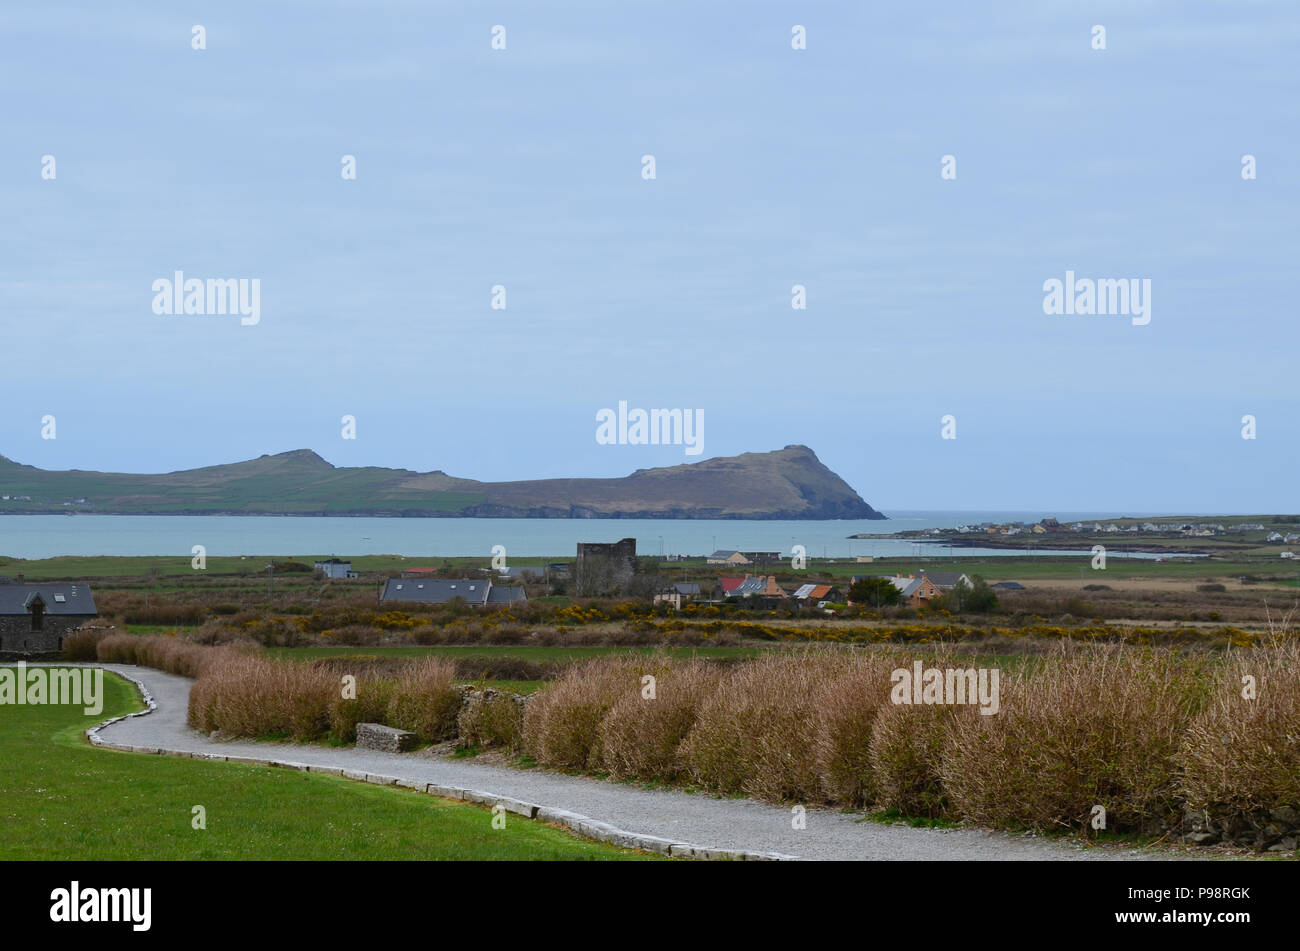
[(436, 590), (77, 599), (945, 579), (506, 594), (761, 585)]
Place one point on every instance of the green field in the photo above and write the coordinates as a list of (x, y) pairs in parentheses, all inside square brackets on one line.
[(175, 573), (65, 800)]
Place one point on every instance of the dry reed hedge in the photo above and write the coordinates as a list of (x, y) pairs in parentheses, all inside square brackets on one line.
[(170, 654), (83, 644), (562, 723), (497, 720), (425, 700), (754, 734), (1241, 756), (253, 696), (641, 734), (1143, 732), (905, 754), (1085, 726), (846, 715), (370, 705)]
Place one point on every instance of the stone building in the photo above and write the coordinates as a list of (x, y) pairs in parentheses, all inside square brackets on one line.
[(34, 618), (604, 569)]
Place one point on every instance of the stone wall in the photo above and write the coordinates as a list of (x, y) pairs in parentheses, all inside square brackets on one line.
[(376, 736), (17, 636), (604, 569)]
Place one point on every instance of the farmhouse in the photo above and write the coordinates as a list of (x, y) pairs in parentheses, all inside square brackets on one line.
[(473, 591), (34, 618), (336, 568), (725, 556)]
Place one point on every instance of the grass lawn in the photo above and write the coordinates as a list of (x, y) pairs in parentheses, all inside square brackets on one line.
[(65, 800)]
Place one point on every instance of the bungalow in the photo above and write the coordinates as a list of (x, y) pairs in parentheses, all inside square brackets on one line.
[(728, 585), (761, 588), (473, 591), (947, 580), (819, 594), (34, 618), (675, 594), (916, 590)]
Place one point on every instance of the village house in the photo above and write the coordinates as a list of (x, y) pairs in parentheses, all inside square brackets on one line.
[(336, 568), (677, 593), (759, 589), (917, 589), (818, 594), (34, 618), (476, 592), (726, 585)]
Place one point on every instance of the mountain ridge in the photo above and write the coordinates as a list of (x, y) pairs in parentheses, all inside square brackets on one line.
[(788, 483)]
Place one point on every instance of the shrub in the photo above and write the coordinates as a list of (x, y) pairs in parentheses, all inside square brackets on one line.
[(1241, 757), (847, 713), (373, 695), (492, 719), (562, 723), (245, 695), (753, 734), (425, 699), (905, 753), (83, 644), (640, 737), (1097, 725)]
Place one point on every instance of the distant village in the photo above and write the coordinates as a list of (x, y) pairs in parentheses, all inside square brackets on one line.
[(613, 570), (1050, 525)]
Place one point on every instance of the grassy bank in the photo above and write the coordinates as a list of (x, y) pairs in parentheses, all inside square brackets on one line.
[(65, 800)]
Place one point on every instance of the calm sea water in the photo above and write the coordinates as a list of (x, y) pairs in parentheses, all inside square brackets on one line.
[(46, 536)]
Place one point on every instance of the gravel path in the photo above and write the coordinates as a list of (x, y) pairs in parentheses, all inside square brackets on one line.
[(713, 824)]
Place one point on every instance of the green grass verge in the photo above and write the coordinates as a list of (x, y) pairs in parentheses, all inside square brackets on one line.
[(65, 800)]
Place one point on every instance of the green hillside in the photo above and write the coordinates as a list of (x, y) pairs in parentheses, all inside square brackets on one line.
[(790, 483)]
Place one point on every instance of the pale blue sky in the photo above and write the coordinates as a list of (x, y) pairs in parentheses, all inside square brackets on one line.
[(775, 167)]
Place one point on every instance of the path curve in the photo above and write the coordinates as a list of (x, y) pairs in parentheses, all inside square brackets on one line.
[(693, 825)]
